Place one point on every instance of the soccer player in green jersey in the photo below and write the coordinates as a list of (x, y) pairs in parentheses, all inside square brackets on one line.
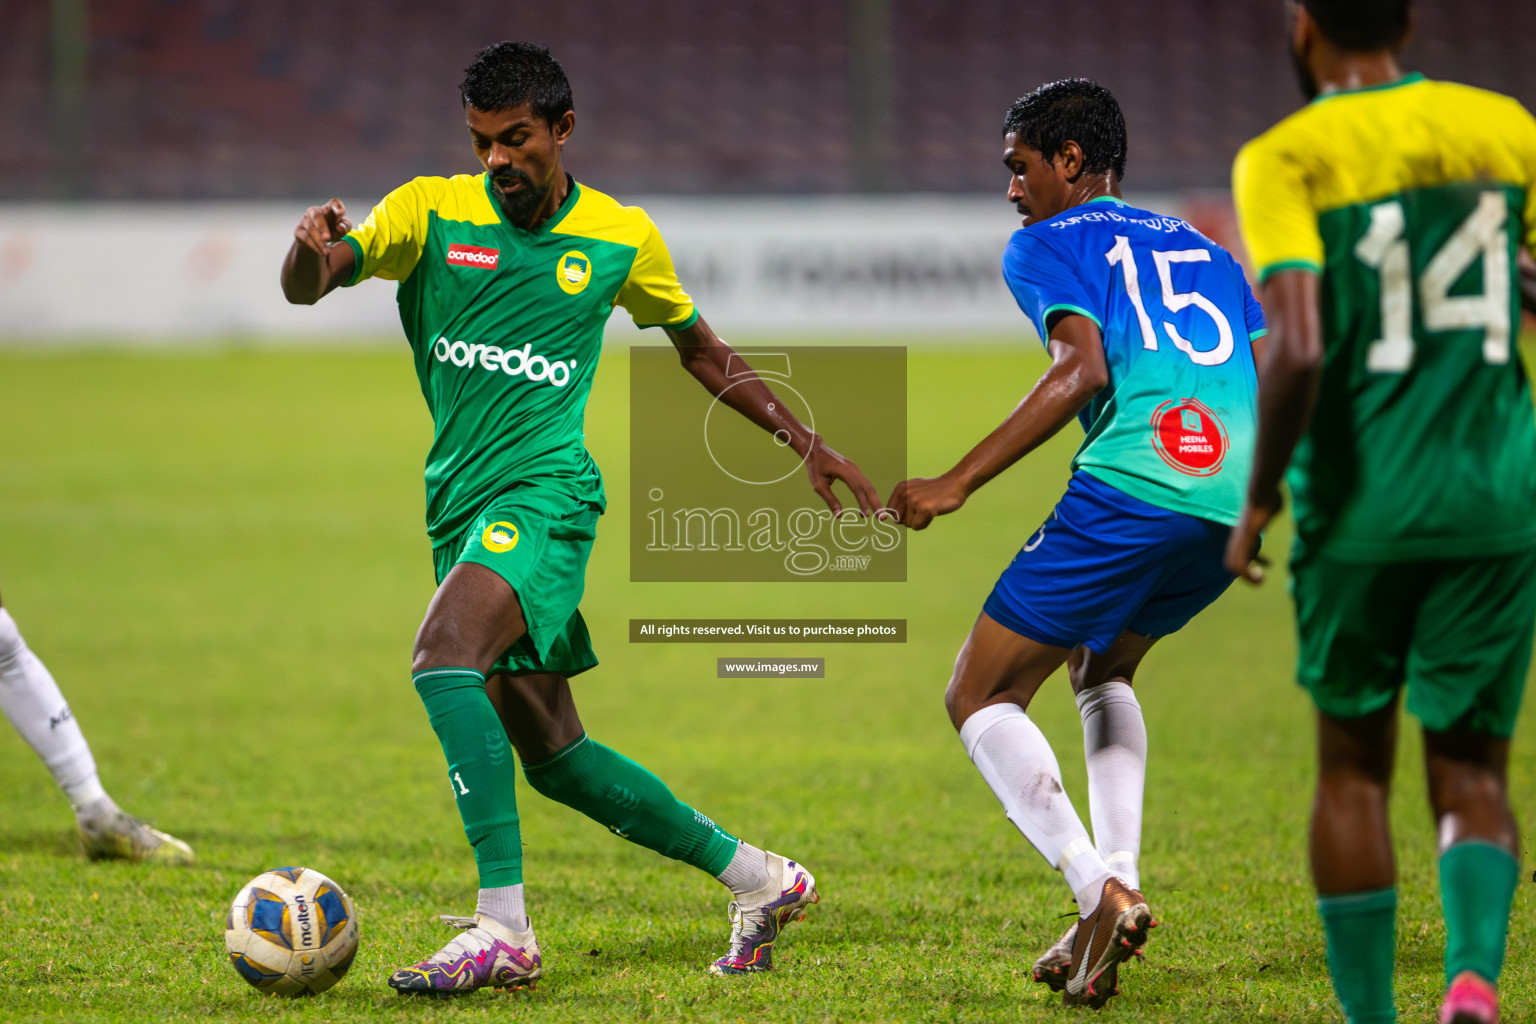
[(1385, 219), (506, 279)]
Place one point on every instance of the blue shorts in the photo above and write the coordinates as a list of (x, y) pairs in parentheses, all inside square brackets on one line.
[(1104, 563)]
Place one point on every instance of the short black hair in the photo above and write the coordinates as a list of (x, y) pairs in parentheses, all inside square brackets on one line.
[(1362, 26), (1076, 109), (506, 75)]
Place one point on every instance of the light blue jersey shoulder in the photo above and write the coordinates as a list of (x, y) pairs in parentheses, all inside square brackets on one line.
[(1175, 424)]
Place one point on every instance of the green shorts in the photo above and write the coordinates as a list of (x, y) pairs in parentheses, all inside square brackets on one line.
[(538, 541), (1457, 632)]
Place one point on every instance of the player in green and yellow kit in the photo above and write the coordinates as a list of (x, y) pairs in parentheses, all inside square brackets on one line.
[(1385, 220), (505, 282)]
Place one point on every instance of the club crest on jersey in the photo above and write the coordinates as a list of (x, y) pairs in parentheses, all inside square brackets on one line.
[(1189, 437), (499, 537), (473, 256), (573, 272)]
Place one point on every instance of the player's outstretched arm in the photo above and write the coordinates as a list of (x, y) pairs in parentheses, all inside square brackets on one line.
[(315, 262), (708, 358), (1288, 381), (1076, 374)]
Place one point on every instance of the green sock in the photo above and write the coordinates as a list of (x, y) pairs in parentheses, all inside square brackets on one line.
[(1361, 929), (481, 769), (1477, 886), (611, 789)]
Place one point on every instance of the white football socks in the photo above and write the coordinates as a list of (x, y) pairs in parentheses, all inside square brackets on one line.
[(32, 702), (748, 870), (1115, 746), (504, 905), (1013, 756)]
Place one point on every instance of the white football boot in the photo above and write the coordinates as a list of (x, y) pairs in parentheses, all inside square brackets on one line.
[(111, 833), (486, 953), (757, 918)]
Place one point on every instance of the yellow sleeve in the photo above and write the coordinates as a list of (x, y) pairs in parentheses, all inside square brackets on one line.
[(1275, 210), (388, 243), (652, 294)]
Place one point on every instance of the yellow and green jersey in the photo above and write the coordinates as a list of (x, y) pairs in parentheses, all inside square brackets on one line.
[(506, 326), (1411, 200)]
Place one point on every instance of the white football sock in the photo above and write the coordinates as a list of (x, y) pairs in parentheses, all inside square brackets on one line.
[(748, 870), (32, 702), (1013, 756), (504, 905), (1115, 746)]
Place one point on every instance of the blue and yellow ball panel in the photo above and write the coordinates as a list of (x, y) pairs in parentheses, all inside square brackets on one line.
[(254, 973), (292, 874), (267, 914), (333, 912)]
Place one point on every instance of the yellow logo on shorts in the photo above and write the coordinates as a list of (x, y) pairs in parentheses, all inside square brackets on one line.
[(499, 537), (573, 272)]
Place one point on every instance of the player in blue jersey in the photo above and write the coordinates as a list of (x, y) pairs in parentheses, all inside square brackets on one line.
[(1149, 326)]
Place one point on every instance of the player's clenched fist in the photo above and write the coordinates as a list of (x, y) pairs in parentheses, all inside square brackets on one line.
[(315, 263), (917, 501), (322, 226), (1242, 557)]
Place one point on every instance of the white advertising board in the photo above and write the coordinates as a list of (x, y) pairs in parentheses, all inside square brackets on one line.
[(916, 267)]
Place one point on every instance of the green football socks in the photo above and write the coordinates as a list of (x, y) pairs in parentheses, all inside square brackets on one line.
[(1477, 886), (1361, 929), (614, 791), (481, 769)]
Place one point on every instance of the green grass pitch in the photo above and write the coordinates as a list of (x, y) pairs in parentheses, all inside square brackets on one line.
[(220, 556)]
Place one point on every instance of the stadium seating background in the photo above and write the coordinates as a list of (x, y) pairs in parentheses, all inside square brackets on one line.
[(190, 99)]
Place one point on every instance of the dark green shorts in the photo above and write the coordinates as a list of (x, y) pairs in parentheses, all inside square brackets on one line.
[(1456, 632), (538, 541)]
